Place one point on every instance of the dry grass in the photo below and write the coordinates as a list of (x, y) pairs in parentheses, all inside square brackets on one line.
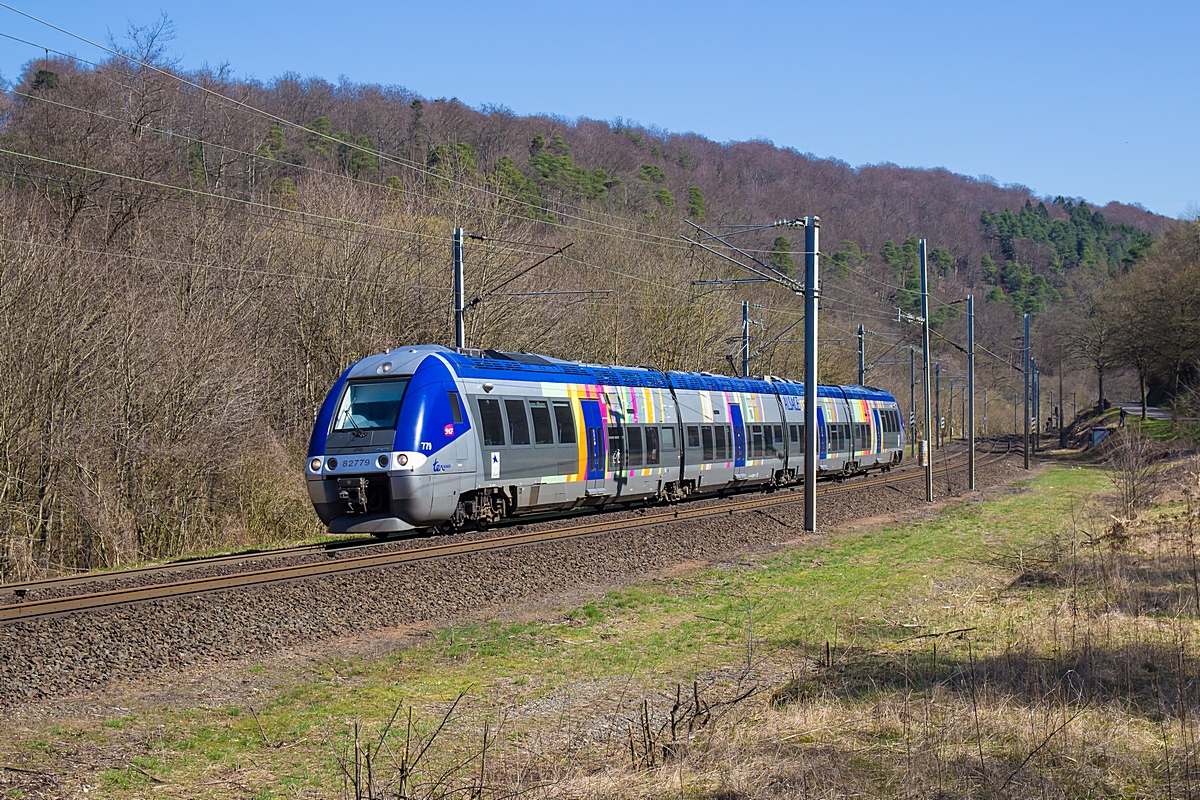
[(1029, 645)]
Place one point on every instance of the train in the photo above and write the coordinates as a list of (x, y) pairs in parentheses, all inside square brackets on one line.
[(430, 437)]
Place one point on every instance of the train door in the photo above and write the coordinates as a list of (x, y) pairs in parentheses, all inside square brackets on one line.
[(821, 440), (739, 435), (593, 428)]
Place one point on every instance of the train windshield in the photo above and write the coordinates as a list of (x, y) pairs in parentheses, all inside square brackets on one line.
[(374, 404)]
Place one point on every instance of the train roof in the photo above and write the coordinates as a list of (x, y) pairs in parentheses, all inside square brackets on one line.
[(500, 365)]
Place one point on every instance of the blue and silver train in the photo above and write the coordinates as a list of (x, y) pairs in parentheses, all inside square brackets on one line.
[(424, 437)]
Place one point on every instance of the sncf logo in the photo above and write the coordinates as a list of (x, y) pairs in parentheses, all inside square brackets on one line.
[(449, 429)]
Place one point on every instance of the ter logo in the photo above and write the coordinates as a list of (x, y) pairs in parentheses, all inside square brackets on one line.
[(449, 429)]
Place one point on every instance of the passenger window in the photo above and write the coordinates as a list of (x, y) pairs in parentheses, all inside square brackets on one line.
[(779, 435), (492, 422), (543, 429), (652, 445), (616, 448), (518, 423), (756, 440), (668, 438), (693, 433), (635, 446), (565, 421), (707, 437), (719, 431), (455, 408), (794, 431)]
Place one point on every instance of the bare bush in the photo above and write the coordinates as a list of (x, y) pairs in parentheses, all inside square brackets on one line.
[(1131, 466)]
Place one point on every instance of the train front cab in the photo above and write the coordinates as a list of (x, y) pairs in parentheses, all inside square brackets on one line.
[(391, 445)]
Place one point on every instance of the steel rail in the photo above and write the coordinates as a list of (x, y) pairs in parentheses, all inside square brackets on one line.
[(39, 609), (222, 559)]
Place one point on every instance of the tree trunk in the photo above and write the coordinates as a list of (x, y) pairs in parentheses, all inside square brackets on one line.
[(1142, 386)]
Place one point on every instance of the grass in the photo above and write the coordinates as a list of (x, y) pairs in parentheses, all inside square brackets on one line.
[(996, 649)]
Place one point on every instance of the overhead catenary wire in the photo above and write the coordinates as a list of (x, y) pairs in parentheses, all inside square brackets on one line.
[(397, 160), (636, 235), (221, 268)]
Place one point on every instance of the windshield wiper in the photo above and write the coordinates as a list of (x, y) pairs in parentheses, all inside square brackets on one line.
[(359, 433)]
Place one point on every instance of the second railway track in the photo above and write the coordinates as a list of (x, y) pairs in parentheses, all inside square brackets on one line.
[(56, 606)]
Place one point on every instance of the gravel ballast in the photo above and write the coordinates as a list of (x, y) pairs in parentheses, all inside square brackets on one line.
[(76, 653)]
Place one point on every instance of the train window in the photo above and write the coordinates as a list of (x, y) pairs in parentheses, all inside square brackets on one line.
[(652, 445), (668, 438), (455, 408), (693, 433), (564, 420), (779, 435), (543, 429), (719, 450), (800, 430), (373, 404), (492, 422), (707, 437), (756, 441), (518, 423), (795, 433), (768, 442), (634, 436), (616, 448)]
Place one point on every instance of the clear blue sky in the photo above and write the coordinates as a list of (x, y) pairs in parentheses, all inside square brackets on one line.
[(1093, 99)]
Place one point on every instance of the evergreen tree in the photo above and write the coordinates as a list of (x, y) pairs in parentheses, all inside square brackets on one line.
[(651, 173), (683, 158), (319, 138), (558, 146), (362, 160), (781, 255), (285, 195), (696, 204), (195, 164), (664, 198), (275, 145), (846, 257), (537, 145), (44, 79)]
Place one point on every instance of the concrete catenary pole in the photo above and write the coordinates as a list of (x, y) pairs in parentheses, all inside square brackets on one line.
[(1026, 378), (1037, 403), (912, 399), (745, 338), (1062, 407), (971, 394), (460, 332), (950, 415), (862, 364), (812, 229), (937, 401), (925, 360)]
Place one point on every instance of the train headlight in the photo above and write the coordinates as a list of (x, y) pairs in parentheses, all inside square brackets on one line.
[(315, 464), (382, 461), (331, 463), (402, 460)]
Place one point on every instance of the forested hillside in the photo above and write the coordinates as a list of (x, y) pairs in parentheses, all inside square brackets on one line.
[(187, 261)]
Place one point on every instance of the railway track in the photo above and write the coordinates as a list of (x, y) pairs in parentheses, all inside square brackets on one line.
[(37, 609)]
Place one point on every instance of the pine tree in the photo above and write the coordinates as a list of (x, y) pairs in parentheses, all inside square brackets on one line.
[(781, 255), (696, 204)]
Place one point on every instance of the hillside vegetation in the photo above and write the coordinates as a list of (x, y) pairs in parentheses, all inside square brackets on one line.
[(187, 261)]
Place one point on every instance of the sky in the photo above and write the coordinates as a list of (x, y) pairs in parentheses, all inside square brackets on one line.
[(1099, 100)]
